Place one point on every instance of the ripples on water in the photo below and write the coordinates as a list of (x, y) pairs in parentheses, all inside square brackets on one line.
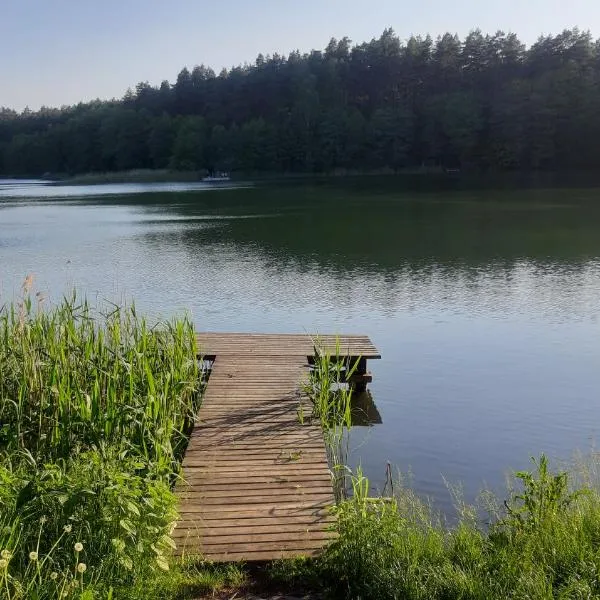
[(30, 189), (484, 304)]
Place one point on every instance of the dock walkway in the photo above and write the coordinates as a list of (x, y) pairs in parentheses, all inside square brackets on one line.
[(256, 481)]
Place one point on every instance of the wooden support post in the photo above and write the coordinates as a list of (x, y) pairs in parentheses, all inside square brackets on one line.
[(360, 377)]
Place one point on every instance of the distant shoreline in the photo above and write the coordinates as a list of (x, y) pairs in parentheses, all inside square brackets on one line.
[(135, 176), (423, 176), (168, 175)]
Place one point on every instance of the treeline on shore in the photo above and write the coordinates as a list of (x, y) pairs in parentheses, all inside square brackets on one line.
[(485, 102)]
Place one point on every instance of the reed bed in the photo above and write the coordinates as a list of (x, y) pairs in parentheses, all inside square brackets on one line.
[(95, 407), (73, 378), (331, 404)]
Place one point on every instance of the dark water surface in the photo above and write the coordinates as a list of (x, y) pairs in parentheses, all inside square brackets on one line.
[(484, 304)]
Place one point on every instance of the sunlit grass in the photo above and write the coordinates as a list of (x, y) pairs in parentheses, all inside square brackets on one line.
[(95, 408), (74, 377)]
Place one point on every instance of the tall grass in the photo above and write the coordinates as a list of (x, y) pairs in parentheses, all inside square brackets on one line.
[(331, 399), (331, 404), (544, 545), (95, 406), (73, 378)]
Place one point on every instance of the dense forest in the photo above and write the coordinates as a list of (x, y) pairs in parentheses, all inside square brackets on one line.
[(485, 102)]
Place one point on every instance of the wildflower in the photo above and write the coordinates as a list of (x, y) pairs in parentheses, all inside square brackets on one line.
[(81, 567), (68, 528), (78, 547), (5, 554), (43, 519), (33, 555), (53, 575), (3, 563)]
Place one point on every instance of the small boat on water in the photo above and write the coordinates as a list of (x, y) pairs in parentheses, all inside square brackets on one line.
[(216, 177)]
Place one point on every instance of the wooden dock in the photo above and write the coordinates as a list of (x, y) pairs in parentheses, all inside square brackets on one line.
[(256, 481)]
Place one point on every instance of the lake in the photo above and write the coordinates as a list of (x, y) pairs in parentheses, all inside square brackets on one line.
[(484, 304)]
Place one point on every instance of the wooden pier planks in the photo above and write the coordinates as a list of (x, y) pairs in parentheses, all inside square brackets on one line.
[(282, 345), (256, 481)]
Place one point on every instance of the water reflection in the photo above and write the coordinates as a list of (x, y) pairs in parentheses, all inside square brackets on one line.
[(364, 410), (484, 304), (17, 189)]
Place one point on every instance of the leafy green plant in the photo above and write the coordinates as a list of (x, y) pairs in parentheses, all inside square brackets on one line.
[(545, 495)]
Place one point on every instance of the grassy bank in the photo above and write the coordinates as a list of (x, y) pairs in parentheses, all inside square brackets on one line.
[(542, 543), (134, 176), (94, 409)]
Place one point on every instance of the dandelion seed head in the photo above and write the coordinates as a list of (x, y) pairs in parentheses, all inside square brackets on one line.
[(33, 555), (68, 528), (81, 568), (53, 575), (78, 547)]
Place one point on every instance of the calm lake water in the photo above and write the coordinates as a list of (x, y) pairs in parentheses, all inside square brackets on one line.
[(484, 304)]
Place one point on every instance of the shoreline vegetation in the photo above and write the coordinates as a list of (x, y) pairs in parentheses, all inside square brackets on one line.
[(95, 408), (176, 176), (423, 178), (133, 176)]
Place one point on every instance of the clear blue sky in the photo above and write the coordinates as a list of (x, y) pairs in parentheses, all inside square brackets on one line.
[(61, 51)]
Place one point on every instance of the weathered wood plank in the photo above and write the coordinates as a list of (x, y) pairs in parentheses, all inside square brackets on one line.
[(287, 344), (276, 509), (239, 529), (194, 478), (289, 544), (195, 518)]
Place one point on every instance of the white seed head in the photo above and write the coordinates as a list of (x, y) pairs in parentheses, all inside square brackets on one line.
[(81, 567), (68, 528), (33, 555), (78, 547), (53, 575)]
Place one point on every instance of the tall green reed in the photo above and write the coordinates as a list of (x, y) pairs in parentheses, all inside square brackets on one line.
[(74, 377), (330, 395)]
